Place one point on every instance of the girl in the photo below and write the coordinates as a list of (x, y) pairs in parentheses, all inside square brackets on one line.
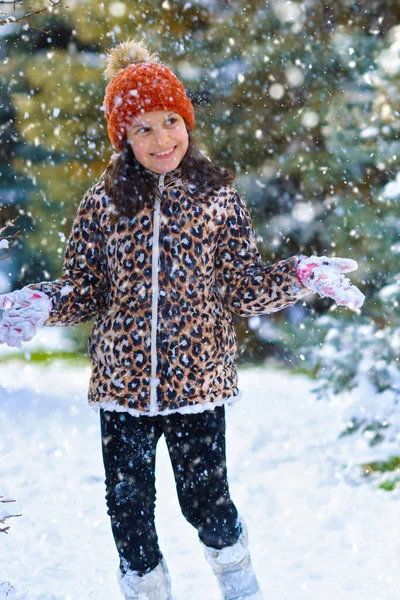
[(162, 251)]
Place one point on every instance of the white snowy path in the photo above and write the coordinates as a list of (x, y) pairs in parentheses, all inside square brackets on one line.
[(314, 533)]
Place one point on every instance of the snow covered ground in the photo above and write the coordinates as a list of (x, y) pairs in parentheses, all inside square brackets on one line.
[(317, 529)]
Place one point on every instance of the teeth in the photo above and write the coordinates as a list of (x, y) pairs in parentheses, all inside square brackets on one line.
[(162, 153)]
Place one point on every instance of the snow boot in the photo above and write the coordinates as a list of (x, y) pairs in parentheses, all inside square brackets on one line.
[(233, 569), (154, 585)]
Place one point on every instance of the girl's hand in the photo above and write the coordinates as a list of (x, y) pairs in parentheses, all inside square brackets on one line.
[(324, 276), (24, 311)]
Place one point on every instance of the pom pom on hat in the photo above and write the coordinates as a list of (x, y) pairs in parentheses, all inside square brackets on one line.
[(140, 83), (125, 54)]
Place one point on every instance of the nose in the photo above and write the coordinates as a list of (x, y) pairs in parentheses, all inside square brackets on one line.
[(162, 138)]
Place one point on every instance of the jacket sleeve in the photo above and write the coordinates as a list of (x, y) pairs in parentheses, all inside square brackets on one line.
[(246, 285), (81, 291)]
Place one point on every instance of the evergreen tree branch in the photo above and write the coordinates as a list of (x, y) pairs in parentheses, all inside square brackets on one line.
[(27, 17)]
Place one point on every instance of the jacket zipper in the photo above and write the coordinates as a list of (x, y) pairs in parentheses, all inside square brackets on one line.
[(154, 381)]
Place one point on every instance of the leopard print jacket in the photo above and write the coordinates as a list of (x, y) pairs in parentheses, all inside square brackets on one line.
[(163, 286)]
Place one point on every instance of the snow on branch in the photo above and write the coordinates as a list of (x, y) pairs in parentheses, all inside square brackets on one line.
[(4, 515), (4, 239), (25, 19)]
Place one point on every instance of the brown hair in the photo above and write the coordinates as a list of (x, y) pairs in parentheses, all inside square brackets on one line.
[(131, 186)]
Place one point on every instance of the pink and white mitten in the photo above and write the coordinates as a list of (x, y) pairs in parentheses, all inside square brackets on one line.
[(324, 276), (24, 311)]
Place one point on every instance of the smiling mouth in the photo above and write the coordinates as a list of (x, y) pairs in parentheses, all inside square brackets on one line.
[(166, 154)]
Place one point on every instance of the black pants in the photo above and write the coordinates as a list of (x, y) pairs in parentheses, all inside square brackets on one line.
[(196, 445)]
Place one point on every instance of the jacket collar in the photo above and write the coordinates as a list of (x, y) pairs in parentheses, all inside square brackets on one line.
[(169, 177), (175, 177)]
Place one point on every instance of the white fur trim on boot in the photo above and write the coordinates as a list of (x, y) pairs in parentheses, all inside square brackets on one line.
[(154, 585), (233, 569)]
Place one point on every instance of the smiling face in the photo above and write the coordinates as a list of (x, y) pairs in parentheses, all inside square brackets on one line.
[(159, 140)]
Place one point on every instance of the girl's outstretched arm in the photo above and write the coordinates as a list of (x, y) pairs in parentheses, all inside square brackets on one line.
[(249, 287)]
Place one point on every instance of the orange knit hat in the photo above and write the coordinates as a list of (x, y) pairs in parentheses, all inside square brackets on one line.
[(139, 83)]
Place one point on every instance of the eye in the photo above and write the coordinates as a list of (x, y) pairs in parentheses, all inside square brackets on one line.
[(172, 120), (143, 130)]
